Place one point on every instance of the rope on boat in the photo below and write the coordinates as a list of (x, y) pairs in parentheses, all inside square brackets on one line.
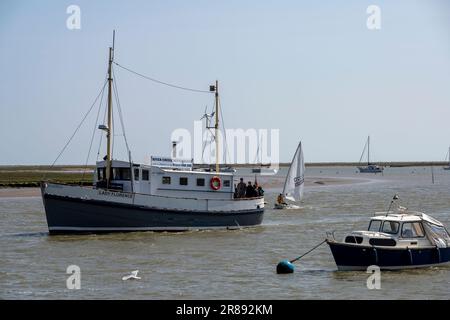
[(286, 266), (78, 127), (293, 260), (93, 135), (161, 82)]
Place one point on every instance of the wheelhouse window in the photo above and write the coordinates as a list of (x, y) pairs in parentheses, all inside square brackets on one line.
[(145, 175), (390, 227), (200, 182), (183, 181), (165, 180), (136, 174), (101, 174), (374, 225), (121, 174), (226, 183), (412, 230)]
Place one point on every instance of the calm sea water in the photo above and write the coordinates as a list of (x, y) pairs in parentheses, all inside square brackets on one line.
[(235, 264)]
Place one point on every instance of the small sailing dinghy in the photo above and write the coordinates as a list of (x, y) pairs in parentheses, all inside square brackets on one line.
[(398, 239), (295, 180), (371, 167)]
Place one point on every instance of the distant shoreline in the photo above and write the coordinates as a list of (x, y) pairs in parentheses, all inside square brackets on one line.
[(19, 176), (343, 164)]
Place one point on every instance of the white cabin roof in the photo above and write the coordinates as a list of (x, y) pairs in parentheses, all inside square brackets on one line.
[(126, 164), (408, 216), (196, 172), (120, 164)]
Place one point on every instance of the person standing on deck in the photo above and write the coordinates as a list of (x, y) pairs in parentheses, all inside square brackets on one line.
[(250, 192), (241, 187)]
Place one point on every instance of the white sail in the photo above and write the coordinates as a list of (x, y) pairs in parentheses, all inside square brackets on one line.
[(295, 179)]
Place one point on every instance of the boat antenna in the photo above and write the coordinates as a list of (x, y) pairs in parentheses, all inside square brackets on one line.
[(395, 197)]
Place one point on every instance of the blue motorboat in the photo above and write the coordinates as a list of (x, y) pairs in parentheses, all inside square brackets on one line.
[(394, 240)]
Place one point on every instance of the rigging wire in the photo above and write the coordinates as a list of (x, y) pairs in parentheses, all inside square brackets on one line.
[(205, 142), (364, 151), (161, 82), (77, 128), (116, 95), (101, 134), (93, 135), (112, 135), (224, 134)]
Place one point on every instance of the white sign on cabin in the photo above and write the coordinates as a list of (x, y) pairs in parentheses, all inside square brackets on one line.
[(165, 162)]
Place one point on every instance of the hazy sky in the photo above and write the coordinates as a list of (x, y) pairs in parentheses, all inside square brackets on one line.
[(310, 68)]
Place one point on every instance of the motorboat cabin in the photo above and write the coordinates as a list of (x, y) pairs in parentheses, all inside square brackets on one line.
[(394, 240)]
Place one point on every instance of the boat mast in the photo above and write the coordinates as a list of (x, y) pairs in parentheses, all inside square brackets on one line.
[(216, 126), (110, 124)]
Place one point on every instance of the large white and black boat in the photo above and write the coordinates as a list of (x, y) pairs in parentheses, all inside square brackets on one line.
[(167, 195), (394, 240)]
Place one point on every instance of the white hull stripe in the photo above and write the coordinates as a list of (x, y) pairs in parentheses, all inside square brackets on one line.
[(358, 268), (142, 228)]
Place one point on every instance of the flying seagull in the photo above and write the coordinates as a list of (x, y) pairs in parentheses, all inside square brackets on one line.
[(133, 275)]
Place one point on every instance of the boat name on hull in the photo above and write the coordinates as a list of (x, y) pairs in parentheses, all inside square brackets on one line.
[(114, 194)]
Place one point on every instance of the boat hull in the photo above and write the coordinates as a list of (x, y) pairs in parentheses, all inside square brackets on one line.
[(78, 214), (65, 215), (370, 170), (278, 206), (357, 257)]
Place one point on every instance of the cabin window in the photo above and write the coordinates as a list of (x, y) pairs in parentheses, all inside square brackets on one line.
[(121, 174), (200, 182), (226, 183), (145, 175), (412, 230), (390, 227), (136, 174), (165, 180), (101, 174), (183, 181), (437, 231), (375, 225), (353, 239)]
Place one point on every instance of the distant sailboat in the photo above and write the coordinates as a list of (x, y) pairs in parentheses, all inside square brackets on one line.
[(370, 168), (263, 169), (258, 155), (295, 181), (447, 158)]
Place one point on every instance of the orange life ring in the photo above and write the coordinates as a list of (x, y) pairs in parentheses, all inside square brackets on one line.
[(215, 183)]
